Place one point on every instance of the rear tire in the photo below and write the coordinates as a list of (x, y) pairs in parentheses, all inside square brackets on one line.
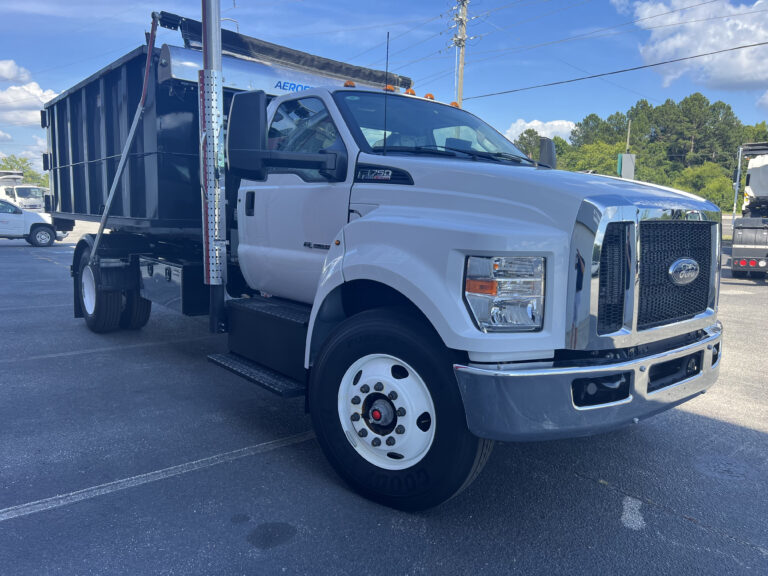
[(411, 450), (42, 236), (136, 311), (739, 273), (101, 308)]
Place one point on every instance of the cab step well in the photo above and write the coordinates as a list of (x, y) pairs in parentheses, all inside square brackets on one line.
[(261, 375), (271, 332)]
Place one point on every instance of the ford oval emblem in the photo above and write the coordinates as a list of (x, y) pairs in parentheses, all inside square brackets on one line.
[(684, 271)]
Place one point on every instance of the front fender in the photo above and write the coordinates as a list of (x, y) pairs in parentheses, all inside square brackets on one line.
[(424, 259)]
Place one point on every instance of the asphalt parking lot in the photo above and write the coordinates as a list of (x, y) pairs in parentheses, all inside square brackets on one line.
[(129, 453)]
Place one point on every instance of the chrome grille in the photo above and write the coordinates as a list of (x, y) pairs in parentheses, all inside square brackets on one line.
[(614, 278), (662, 242)]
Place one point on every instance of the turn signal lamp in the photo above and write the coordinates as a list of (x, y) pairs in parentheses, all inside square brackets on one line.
[(506, 294), (349, 84), (429, 96)]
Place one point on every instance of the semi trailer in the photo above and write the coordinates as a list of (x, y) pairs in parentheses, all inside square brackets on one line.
[(427, 287)]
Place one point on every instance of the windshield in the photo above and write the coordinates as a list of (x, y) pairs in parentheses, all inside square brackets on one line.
[(29, 192), (415, 125)]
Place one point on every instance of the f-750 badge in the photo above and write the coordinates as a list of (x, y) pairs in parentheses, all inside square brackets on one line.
[(374, 174)]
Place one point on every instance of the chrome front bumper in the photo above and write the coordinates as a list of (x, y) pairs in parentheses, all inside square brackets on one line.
[(538, 404)]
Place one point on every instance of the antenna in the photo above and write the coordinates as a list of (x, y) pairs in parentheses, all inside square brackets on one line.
[(386, 82)]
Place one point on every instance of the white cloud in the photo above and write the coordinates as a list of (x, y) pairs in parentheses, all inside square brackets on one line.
[(21, 105), (552, 128), (763, 102), (621, 6), (34, 153), (4, 137), (12, 72), (738, 70)]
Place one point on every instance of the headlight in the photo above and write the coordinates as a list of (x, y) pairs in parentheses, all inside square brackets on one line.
[(506, 294)]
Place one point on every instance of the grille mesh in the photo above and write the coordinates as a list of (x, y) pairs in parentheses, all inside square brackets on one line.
[(661, 243), (614, 278)]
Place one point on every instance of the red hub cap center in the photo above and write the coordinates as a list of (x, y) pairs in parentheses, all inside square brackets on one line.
[(376, 414)]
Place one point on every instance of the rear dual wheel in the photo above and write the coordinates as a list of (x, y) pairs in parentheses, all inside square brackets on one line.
[(108, 310), (388, 413)]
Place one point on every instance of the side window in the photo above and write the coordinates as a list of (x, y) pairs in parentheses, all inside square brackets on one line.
[(303, 126), (6, 208)]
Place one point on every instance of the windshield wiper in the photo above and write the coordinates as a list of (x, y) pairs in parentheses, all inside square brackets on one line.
[(516, 158), (495, 156), (414, 150)]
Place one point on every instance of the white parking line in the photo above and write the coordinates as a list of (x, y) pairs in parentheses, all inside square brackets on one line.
[(124, 484), (26, 307), (121, 347)]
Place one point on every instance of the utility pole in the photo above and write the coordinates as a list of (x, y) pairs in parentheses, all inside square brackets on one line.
[(629, 130), (460, 42)]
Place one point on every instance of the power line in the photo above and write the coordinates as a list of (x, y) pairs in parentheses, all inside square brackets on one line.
[(588, 35), (635, 68), (423, 23)]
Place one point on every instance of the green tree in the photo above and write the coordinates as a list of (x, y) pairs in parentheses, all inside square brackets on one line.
[(31, 176), (528, 142), (708, 180)]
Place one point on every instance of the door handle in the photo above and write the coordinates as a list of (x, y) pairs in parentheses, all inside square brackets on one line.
[(250, 200)]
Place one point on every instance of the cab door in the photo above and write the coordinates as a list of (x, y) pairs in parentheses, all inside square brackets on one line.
[(11, 220), (288, 223)]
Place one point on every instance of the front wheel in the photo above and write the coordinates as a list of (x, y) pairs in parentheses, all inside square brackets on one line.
[(388, 413), (42, 236)]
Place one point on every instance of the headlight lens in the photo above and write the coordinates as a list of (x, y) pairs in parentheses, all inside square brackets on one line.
[(506, 294)]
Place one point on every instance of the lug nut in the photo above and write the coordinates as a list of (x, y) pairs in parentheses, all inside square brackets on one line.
[(400, 429), (393, 395), (401, 412), (365, 388), (376, 442), (355, 417), (363, 433), (390, 441), (356, 400), (378, 386)]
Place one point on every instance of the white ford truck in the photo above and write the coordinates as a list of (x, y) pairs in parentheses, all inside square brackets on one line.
[(427, 286)]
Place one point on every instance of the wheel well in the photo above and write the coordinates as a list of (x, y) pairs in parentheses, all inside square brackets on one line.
[(352, 298), (38, 225)]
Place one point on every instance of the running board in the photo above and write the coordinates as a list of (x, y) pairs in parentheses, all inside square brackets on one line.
[(261, 375)]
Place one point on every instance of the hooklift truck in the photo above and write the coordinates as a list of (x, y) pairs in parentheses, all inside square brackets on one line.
[(428, 287)]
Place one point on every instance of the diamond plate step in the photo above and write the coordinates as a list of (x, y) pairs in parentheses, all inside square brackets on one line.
[(261, 375)]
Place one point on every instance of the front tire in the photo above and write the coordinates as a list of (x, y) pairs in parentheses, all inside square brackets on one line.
[(388, 413), (42, 236), (101, 308)]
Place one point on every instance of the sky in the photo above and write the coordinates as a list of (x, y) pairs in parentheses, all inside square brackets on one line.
[(46, 46)]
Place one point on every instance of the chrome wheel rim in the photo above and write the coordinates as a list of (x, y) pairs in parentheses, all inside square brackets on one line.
[(43, 236), (88, 290), (386, 412)]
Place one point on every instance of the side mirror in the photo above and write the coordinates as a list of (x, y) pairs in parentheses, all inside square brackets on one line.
[(247, 154), (247, 135), (339, 171), (547, 153)]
